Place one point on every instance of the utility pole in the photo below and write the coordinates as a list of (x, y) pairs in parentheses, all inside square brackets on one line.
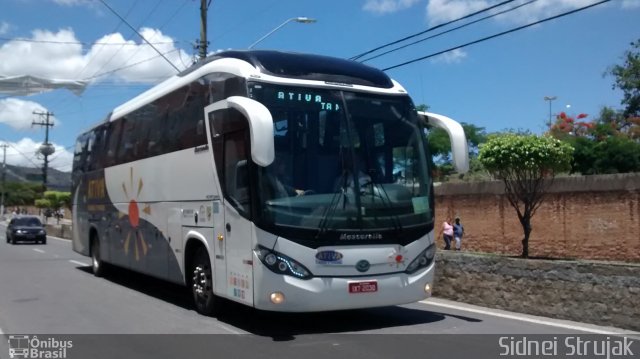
[(550, 99), (46, 148), (202, 44), (4, 171)]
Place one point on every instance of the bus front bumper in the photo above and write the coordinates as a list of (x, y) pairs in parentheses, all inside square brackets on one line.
[(331, 293)]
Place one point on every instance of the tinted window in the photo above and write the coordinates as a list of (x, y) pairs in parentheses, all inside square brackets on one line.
[(27, 222), (230, 147), (172, 123)]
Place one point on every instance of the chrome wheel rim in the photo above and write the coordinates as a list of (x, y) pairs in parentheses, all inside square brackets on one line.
[(201, 282)]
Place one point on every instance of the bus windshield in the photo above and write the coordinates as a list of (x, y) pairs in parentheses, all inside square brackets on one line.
[(350, 167)]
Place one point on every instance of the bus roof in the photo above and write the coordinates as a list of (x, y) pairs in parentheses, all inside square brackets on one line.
[(305, 67)]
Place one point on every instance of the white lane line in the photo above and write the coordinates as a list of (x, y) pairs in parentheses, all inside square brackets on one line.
[(59, 239), (230, 330), (79, 263), (523, 318), (38, 250), (1, 332)]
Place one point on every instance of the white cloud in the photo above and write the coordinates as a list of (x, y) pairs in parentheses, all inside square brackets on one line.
[(630, 4), (25, 153), (388, 6), (439, 11), (62, 159), (444, 10), (19, 114), (4, 27), (72, 2), (451, 57), (59, 55)]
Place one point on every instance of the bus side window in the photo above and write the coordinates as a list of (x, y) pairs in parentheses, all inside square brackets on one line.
[(230, 136), (236, 170), (79, 154), (91, 139), (112, 144), (127, 142), (95, 160)]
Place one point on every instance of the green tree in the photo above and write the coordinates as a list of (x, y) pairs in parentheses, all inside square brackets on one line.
[(606, 145), (42, 203), (440, 146), (57, 199), (22, 194), (526, 164), (627, 79)]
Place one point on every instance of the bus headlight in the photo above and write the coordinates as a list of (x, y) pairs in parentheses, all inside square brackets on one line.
[(280, 264), (423, 260)]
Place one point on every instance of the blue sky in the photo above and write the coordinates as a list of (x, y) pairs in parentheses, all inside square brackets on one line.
[(496, 84)]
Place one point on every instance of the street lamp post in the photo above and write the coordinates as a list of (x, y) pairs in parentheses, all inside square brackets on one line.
[(302, 20), (550, 99)]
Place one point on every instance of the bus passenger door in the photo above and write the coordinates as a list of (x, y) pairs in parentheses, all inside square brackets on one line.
[(218, 250), (229, 139)]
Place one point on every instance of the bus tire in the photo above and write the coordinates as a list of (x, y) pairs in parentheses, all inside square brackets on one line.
[(96, 262), (202, 283)]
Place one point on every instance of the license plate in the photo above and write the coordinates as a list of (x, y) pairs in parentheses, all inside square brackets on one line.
[(31, 236), (363, 287)]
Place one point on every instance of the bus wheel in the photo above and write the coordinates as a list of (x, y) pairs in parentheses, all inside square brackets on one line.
[(96, 263), (202, 283)]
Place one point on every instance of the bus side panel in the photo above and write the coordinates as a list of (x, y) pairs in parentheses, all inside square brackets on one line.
[(174, 237), (146, 196), (90, 207), (80, 223)]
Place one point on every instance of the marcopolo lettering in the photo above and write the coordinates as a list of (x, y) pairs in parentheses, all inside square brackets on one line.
[(360, 236)]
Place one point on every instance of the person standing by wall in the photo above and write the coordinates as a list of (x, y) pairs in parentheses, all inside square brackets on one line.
[(458, 232), (447, 233)]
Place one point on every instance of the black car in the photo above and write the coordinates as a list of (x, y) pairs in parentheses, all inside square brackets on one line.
[(26, 228)]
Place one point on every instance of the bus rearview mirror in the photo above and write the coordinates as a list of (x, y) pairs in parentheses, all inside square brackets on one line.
[(459, 146), (260, 126)]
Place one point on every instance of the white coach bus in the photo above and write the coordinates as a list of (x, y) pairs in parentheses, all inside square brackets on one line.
[(287, 182)]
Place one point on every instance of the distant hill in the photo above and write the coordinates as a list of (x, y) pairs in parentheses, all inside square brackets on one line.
[(56, 180)]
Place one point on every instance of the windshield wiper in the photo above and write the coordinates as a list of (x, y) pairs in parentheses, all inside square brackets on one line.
[(329, 212), (397, 224)]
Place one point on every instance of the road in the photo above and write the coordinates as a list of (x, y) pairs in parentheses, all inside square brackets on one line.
[(50, 290)]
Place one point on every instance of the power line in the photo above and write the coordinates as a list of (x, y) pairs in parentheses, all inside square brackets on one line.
[(159, 28), (136, 31), (106, 63), (102, 48), (35, 165), (496, 35), (448, 31), (132, 65), (86, 44), (431, 29)]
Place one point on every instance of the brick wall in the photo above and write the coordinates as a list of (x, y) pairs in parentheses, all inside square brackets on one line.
[(587, 217)]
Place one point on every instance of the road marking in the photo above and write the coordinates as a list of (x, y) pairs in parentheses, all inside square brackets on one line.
[(38, 250), (79, 263), (229, 329), (60, 239), (1, 332), (523, 318)]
